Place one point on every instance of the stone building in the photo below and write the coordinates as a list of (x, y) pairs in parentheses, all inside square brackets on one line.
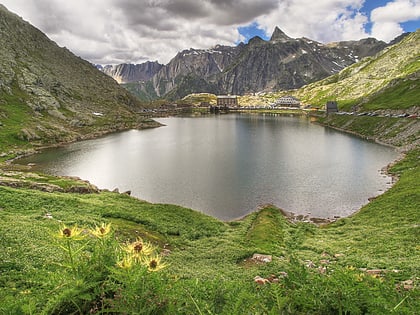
[(331, 107), (227, 100), (287, 101)]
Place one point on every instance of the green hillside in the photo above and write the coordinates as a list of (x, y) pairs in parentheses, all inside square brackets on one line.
[(48, 95), (389, 80)]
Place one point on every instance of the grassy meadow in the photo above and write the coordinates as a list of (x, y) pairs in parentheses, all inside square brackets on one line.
[(363, 264)]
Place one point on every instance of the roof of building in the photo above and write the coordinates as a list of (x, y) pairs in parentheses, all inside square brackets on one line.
[(288, 97), (227, 96)]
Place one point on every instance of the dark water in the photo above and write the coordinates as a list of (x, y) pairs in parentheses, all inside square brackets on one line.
[(228, 165)]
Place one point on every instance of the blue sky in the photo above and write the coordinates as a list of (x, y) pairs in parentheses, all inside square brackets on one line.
[(411, 25), (135, 31)]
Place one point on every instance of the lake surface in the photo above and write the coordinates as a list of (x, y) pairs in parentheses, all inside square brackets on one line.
[(229, 165)]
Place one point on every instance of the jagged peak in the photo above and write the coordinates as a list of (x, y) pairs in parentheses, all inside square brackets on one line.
[(255, 40), (279, 36)]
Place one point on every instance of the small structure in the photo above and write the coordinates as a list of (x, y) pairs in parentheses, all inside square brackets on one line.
[(287, 101), (331, 107), (227, 100)]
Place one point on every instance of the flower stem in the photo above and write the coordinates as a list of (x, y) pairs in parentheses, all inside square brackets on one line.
[(69, 250)]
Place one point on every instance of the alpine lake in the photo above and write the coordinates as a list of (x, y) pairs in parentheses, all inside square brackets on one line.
[(229, 165)]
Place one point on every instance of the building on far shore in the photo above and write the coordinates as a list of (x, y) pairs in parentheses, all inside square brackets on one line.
[(227, 100), (287, 101), (331, 107)]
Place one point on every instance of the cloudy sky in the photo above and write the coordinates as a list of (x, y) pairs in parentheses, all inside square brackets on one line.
[(134, 31)]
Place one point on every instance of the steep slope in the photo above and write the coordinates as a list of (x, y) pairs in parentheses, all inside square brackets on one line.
[(127, 73), (378, 82), (49, 95), (192, 65)]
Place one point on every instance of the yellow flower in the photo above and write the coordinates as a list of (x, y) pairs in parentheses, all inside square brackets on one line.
[(139, 248), (102, 231), (70, 232), (126, 263), (153, 263)]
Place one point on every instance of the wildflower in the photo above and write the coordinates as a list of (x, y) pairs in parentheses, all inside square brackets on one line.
[(139, 248), (102, 231), (70, 232), (153, 263), (126, 263)]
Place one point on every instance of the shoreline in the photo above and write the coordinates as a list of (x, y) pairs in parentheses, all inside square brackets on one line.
[(89, 136), (291, 216)]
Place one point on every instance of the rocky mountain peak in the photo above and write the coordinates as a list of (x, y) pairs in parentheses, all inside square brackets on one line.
[(256, 40), (125, 73), (279, 36)]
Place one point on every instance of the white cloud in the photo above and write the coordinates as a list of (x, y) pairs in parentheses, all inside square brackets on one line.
[(322, 20), (386, 20), (117, 31)]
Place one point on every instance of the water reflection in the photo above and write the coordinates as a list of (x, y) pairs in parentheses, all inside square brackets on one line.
[(228, 165)]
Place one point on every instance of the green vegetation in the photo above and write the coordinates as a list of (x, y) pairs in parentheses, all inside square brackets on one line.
[(197, 98), (401, 132), (400, 94), (356, 265), (146, 95), (377, 82), (13, 114)]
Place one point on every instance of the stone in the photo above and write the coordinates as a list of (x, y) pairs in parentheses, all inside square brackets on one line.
[(374, 272), (166, 252), (407, 284), (309, 264), (260, 280), (262, 258)]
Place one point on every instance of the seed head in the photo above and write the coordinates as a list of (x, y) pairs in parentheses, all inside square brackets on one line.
[(71, 232), (102, 231)]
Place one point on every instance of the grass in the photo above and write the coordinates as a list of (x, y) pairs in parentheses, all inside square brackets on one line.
[(396, 131), (402, 94), (13, 115), (210, 267)]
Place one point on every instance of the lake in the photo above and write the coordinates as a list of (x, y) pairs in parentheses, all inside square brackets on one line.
[(228, 165)]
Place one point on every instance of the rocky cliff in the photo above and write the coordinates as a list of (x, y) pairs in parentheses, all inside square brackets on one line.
[(127, 73)]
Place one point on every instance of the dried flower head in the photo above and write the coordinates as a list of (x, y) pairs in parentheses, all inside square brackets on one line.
[(139, 248), (154, 263), (102, 231), (70, 232)]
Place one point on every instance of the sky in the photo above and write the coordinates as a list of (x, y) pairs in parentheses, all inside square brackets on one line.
[(136, 31)]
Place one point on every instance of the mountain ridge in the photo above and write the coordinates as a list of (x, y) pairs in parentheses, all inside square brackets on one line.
[(280, 63), (126, 73)]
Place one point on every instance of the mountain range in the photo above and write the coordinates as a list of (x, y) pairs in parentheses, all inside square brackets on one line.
[(281, 63)]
